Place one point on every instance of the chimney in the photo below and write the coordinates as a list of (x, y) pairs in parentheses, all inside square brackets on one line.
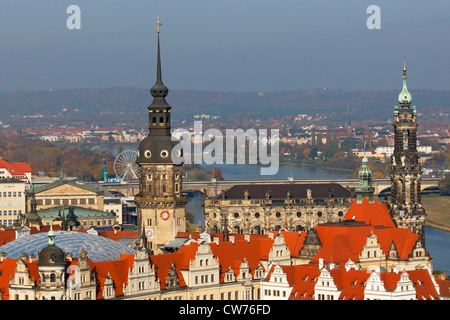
[(247, 237), (2, 256), (320, 263), (32, 257), (232, 239), (69, 256), (216, 240), (23, 256)]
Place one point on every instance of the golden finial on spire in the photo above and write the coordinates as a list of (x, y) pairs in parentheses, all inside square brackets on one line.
[(404, 66), (158, 24)]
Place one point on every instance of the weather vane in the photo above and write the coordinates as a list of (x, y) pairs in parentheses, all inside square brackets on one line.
[(158, 24)]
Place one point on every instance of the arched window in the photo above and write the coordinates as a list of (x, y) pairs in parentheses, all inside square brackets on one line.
[(52, 277)]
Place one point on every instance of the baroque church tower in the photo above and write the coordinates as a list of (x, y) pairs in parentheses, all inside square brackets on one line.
[(405, 170), (160, 203)]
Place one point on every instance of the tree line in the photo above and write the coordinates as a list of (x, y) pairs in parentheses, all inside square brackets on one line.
[(53, 160)]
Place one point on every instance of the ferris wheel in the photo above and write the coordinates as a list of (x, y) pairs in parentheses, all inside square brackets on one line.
[(125, 166)]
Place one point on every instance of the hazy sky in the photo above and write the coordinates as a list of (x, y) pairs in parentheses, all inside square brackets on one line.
[(227, 45)]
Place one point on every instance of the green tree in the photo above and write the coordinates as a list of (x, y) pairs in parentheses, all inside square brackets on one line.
[(444, 186)]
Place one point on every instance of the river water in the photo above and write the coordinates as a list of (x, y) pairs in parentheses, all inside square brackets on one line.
[(437, 241)]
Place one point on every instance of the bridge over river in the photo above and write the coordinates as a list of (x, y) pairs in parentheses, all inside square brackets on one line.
[(379, 184), (132, 188)]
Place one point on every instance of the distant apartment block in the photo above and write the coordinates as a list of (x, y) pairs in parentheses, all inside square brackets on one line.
[(12, 200), (388, 151)]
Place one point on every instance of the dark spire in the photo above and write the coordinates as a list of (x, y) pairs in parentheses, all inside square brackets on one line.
[(159, 109), (159, 89), (33, 216), (225, 232)]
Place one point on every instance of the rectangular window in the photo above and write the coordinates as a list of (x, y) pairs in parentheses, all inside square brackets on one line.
[(57, 202), (91, 201)]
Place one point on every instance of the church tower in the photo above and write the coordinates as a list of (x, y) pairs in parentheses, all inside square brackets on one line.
[(160, 203), (405, 171)]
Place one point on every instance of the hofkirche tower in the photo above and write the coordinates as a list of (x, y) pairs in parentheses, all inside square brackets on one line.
[(405, 170), (160, 203)]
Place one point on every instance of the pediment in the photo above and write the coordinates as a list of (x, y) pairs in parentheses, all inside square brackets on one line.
[(67, 189)]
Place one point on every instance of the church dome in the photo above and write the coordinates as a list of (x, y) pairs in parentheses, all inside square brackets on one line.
[(51, 256), (98, 248), (156, 149)]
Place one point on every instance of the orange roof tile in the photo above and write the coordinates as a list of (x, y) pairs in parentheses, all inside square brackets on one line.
[(117, 269), (350, 283), (302, 278), (425, 289), (7, 268), (444, 287), (341, 242), (231, 254), (375, 214)]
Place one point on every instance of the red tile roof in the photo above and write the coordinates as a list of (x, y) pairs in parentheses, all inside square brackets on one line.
[(303, 279), (351, 283), (117, 269), (375, 214), (231, 255), (7, 268), (423, 281), (444, 287), (16, 169)]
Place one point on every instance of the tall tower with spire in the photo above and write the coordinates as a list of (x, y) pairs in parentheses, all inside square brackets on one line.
[(405, 170), (160, 203)]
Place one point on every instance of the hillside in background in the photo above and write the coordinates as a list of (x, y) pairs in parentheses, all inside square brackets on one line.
[(129, 102)]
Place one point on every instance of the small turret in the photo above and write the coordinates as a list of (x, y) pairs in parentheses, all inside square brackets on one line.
[(404, 98), (365, 188)]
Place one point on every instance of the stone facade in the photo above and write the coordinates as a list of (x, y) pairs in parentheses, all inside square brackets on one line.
[(66, 193), (259, 209)]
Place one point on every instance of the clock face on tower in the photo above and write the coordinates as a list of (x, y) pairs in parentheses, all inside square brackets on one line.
[(165, 215)]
